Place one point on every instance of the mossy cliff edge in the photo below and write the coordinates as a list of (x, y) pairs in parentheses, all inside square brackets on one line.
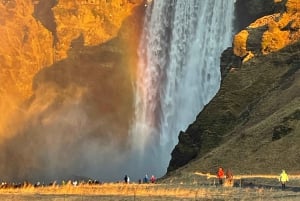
[(252, 124)]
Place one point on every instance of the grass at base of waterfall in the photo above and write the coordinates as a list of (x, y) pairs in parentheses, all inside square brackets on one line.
[(193, 186)]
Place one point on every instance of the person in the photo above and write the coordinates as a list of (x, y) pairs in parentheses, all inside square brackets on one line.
[(152, 179), (283, 178), (75, 183), (229, 177), (146, 179), (126, 179), (220, 175)]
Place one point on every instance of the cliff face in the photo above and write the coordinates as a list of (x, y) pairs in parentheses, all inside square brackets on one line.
[(252, 124), (66, 75), (26, 47), (39, 33)]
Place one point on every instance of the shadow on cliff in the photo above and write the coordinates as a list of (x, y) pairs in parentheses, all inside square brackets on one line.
[(78, 119), (43, 12), (247, 11)]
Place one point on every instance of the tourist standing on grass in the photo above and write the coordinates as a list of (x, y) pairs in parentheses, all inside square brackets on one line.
[(220, 175), (283, 178), (152, 179), (126, 179), (146, 179), (229, 178)]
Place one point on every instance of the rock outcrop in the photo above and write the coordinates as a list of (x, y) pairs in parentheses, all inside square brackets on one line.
[(269, 33), (255, 113), (277, 27)]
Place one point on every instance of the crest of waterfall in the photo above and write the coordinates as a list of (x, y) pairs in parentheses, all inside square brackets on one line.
[(178, 73)]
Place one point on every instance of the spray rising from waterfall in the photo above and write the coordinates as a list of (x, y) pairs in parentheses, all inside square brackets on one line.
[(178, 72)]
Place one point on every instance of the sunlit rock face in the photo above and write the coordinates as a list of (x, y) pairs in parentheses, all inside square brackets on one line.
[(66, 86), (277, 29), (272, 25), (26, 47), (96, 20)]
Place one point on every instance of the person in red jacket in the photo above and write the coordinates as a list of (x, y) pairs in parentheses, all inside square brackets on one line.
[(220, 175)]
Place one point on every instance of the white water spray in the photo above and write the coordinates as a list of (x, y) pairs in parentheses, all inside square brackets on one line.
[(178, 73)]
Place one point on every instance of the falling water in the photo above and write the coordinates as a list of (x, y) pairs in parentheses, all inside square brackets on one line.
[(178, 72)]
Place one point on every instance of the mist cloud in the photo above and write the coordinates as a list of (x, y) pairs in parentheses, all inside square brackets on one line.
[(52, 137)]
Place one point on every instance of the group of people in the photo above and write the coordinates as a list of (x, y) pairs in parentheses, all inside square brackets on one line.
[(221, 175), (145, 180)]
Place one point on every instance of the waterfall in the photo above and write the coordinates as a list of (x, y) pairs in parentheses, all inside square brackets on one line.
[(178, 73)]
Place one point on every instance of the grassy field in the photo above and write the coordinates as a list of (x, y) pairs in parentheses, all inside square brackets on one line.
[(201, 187)]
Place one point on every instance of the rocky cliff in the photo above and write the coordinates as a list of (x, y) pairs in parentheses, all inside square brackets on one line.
[(252, 124), (39, 33), (66, 74)]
